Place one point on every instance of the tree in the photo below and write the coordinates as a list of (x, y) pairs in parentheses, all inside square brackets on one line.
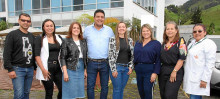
[(111, 22), (196, 17), (211, 29), (3, 25), (85, 19), (173, 8), (135, 29)]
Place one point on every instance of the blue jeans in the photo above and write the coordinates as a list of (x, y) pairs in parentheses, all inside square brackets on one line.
[(120, 81), (92, 69), (23, 81), (195, 96), (143, 74)]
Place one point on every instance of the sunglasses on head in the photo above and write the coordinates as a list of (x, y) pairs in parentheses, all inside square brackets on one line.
[(28, 21), (199, 31)]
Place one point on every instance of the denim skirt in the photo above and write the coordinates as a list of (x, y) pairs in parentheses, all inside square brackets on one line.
[(74, 88)]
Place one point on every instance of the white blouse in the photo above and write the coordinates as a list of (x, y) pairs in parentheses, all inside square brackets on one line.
[(80, 51)]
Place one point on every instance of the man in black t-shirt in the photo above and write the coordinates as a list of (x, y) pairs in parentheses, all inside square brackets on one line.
[(19, 58)]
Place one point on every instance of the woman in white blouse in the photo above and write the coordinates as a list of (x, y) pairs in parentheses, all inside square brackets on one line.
[(199, 63)]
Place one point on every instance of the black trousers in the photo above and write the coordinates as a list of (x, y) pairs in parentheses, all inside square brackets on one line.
[(169, 90), (56, 77)]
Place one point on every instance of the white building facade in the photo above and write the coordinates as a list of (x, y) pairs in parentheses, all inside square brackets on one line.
[(63, 12)]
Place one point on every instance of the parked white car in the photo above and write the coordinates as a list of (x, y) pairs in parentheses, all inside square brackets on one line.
[(215, 80)]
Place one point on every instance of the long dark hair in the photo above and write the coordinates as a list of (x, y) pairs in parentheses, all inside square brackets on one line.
[(69, 35), (44, 32)]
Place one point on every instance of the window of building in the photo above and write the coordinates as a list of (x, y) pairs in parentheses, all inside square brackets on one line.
[(102, 5), (150, 5), (45, 4), (2, 5), (117, 4), (11, 7), (155, 31), (142, 3), (138, 1), (77, 2), (117, 0), (4, 19), (66, 5), (78, 5), (36, 6), (101, 1), (155, 7), (55, 6), (89, 6), (27, 7), (18, 7), (89, 1)]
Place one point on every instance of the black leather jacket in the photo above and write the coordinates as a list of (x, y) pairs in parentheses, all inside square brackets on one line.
[(69, 56)]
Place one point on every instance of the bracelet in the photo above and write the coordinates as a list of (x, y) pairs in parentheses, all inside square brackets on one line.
[(175, 70)]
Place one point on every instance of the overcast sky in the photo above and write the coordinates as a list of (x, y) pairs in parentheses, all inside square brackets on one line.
[(175, 2)]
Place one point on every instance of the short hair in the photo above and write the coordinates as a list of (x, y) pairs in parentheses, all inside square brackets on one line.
[(200, 24), (24, 14), (99, 10)]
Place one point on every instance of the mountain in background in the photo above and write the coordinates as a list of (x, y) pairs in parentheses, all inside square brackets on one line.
[(183, 14), (202, 4)]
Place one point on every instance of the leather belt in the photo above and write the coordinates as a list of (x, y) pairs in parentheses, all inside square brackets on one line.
[(98, 60), (121, 64), (53, 62)]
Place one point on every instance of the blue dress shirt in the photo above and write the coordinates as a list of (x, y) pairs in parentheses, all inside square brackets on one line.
[(148, 54), (97, 41)]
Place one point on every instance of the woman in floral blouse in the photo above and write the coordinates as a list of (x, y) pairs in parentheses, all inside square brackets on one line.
[(120, 59), (173, 54)]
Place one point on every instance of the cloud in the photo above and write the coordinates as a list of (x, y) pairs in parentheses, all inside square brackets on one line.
[(175, 2)]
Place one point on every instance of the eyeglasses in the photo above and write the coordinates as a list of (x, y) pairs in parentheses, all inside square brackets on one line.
[(199, 31), (28, 21)]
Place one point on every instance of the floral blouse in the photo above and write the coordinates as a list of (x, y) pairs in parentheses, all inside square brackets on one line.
[(177, 50)]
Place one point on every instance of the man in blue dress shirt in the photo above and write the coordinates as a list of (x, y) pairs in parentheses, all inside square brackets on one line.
[(97, 36)]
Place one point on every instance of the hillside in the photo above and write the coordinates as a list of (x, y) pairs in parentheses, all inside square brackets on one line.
[(202, 4), (170, 16), (212, 15)]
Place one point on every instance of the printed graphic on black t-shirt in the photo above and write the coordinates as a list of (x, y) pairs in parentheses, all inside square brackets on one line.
[(27, 49)]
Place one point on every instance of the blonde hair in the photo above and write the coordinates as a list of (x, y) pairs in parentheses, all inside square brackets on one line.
[(151, 31)]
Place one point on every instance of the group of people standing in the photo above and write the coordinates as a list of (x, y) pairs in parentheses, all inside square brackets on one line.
[(68, 61)]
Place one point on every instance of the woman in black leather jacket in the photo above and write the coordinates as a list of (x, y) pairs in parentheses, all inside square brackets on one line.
[(73, 62)]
